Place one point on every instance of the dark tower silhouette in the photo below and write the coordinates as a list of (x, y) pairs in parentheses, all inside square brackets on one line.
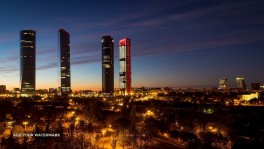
[(27, 62), (107, 65), (64, 63)]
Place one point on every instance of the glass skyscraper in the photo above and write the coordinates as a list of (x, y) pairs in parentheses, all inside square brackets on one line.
[(27, 62), (64, 63), (107, 65), (125, 66)]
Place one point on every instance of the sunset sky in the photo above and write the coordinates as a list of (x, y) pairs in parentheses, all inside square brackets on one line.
[(175, 43)]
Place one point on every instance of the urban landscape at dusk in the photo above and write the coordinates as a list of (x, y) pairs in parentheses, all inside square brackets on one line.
[(131, 74)]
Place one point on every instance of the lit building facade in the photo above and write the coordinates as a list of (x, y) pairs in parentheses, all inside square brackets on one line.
[(107, 65), (27, 62), (262, 87), (241, 83), (125, 66), (222, 84), (64, 63)]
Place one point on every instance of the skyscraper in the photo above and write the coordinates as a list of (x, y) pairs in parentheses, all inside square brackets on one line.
[(107, 65), (27, 62), (241, 83), (255, 87), (125, 66), (222, 84), (64, 63)]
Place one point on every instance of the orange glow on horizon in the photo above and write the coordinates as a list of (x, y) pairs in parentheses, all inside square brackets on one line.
[(74, 87)]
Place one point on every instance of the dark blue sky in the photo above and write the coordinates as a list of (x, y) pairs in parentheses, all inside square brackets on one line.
[(174, 43)]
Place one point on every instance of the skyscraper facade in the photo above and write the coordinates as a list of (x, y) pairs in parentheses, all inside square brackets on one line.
[(125, 66), (64, 63), (27, 62), (241, 83), (107, 65), (222, 84)]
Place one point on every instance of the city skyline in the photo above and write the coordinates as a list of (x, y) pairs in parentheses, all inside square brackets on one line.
[(183, 44)]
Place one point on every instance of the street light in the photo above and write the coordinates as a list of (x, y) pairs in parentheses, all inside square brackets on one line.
[(103, 132), (25, 123)]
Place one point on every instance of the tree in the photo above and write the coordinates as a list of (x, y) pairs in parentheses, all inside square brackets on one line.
[(82, 125), (25, 144), (2, 129), (3, 142), (37, 141), (121, 124), (174, 134), (11, 142), (72, 127), (133, 135), (113, 142)]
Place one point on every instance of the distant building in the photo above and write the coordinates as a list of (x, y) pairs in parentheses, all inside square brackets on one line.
[(27, 62), (222, 84), (2, 89), (255, 87), (41, 91), (16, 90), (64, 63), (125, 66), (107, 65), (52, 90), (262, 87), (241, 84), (167, 90)]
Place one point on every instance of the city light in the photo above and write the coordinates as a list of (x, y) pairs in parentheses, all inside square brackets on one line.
[(25, 123)]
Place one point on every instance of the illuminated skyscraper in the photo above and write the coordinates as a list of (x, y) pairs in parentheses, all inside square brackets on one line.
[(241, 83), (125, 66), (107, 65), (64, 63), (27, 62), (222, 84)]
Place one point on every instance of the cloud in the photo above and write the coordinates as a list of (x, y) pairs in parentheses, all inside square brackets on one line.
[(171, 27), (197, 45), (7, 37), (8, 69), (210, 27), (47, 66), (85, 59)]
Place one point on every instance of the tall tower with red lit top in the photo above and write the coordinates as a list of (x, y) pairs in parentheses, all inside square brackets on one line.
[(125, 66)]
